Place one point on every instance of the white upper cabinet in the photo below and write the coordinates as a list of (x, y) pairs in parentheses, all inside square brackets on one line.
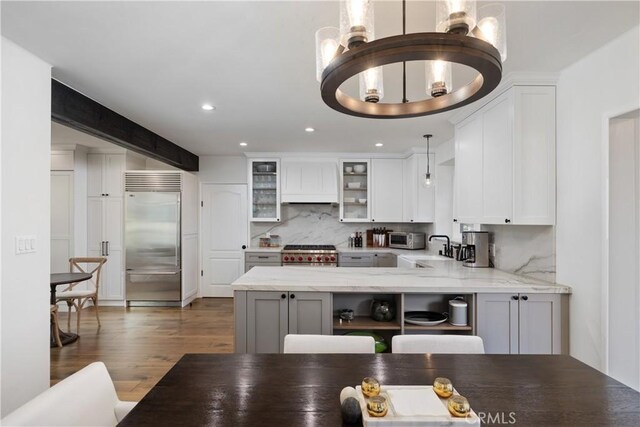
[(264, 190), (534, 156), (387, 188), (419, 201), (355, 190), (505, 160), (105, 174), (468, 172), (309, 181)]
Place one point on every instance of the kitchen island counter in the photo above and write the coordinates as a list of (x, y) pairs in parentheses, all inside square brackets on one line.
[(437, 276)]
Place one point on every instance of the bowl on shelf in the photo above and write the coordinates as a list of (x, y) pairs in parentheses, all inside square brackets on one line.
[(359, 168), (348, 169), (353, 185), (349, 199), (362, 201), (265, 168)]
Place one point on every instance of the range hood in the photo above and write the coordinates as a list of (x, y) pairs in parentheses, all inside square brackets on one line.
[(309, 181)]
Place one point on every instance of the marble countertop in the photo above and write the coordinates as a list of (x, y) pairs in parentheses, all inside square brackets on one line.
[(346, 249), (437, 276)]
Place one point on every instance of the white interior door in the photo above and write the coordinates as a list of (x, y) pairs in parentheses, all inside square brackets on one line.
[(61, 220), (224, 234), (623, 335)]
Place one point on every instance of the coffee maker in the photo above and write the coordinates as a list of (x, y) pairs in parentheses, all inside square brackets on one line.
[(477, 248)]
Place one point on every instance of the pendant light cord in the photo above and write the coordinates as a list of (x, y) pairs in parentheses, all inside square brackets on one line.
[(404, 64)]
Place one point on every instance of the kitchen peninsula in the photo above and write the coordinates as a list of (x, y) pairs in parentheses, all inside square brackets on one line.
[(513, 314)]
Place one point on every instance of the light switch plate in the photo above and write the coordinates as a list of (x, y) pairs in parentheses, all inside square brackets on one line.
[(25, 244)]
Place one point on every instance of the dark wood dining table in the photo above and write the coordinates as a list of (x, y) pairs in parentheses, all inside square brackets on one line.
[(304, 389), (56, 280)]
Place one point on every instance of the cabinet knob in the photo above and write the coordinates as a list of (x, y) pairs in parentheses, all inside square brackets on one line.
[(283, 296), (525, 298), (341, 219), (244, 246), (411, 220), (515, 297), (373, 220), (507, 221), (455, 220), (278, 219), (292, 296)]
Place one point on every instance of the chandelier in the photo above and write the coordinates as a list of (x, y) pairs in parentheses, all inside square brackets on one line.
[(464, 35)]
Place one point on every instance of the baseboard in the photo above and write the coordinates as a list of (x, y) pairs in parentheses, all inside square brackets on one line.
[(217, 291)]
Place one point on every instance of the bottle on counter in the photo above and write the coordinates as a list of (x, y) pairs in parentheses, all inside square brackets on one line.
[(352, 240)]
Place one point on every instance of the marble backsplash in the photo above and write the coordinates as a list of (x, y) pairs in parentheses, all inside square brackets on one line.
[(318, 224), (525, 249)]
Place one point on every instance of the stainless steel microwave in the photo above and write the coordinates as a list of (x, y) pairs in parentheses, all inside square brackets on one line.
[(404, 240)]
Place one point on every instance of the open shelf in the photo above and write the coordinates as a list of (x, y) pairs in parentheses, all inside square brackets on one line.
[(441, 327), (265, 173), (365, 323), (355, 174)]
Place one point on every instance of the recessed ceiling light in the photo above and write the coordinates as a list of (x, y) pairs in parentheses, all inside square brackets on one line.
[(309, 129), (243, 144), (379, 144), (208, 107)]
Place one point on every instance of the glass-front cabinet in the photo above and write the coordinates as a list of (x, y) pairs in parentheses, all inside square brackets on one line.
[(355, 194), (264, 191)]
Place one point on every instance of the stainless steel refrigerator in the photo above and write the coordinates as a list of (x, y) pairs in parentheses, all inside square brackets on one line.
[(152, 242)]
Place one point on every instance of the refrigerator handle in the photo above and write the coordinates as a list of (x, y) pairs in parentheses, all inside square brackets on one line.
[(107, 245), (102, 248)]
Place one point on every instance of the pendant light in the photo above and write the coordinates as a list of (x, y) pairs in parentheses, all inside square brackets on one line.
[(427, 182), (465, 34)]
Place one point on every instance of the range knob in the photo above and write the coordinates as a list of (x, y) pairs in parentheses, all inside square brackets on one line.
[(326, 258), (309, 258), (299, 258), (333, 258), (319, 258), (286, 258)]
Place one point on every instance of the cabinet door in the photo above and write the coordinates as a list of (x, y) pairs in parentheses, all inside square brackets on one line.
[(386, 260), (540, 324), (267, 321), (95, 164), (497, 161), (419, 201), (114, 166), (95, 216), (497, 317), (309, 181), (310, 313), (386, 183), (534, 155), (355, 190), (112, 279), (468, 172), (264, 190), (113, 213)]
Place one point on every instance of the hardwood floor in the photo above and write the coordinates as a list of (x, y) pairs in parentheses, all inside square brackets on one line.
[(140, 344)]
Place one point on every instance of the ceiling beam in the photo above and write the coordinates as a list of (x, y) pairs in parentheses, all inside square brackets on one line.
[(71, 108)]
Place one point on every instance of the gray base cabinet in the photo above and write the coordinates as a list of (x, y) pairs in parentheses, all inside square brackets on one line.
[(263, 318), (261, 259), (522, 323), (378, 259)]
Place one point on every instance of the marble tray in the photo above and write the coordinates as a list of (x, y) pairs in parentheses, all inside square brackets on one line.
[(414, 406)]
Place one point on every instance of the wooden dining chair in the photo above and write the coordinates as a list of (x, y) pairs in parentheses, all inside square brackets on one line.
[(78, 297), (56, 327)]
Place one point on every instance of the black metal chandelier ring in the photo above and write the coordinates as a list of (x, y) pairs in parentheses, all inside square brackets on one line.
[(469, 51)]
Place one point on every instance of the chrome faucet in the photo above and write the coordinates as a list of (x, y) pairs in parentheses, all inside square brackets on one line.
[(448, 250)]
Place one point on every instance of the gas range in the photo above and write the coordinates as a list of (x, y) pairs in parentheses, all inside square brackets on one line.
[(310, 255)]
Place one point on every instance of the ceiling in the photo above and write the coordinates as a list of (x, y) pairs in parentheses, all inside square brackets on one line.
[(158, 62)]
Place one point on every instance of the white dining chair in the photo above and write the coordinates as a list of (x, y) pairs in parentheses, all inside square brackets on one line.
[(328, 344), (437, 344), (86, 398)]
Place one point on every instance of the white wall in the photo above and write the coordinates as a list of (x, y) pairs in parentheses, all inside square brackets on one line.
[(223, 169), (603, 84), (80, 177), (25, 162), (157, 165)]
